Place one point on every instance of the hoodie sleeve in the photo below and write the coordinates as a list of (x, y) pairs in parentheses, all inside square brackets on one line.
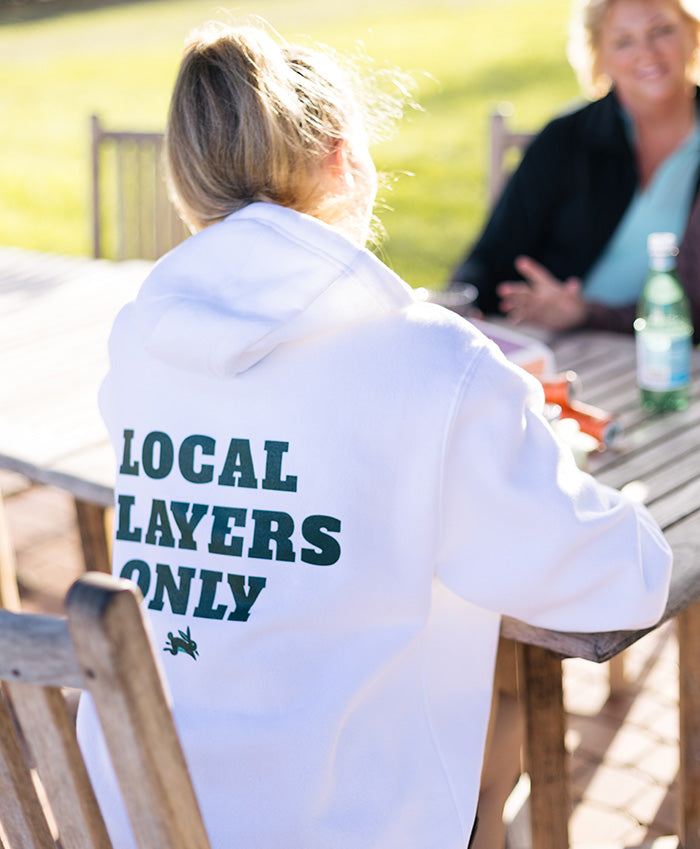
[(525, 533)]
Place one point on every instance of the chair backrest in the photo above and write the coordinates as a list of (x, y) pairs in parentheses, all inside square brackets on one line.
[(46, 799), (503, 141), (132, 216)]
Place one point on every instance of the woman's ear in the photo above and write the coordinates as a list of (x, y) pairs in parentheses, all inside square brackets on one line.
[(337, 164)]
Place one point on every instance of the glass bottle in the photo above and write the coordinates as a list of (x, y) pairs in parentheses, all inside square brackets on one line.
[(663, 330)]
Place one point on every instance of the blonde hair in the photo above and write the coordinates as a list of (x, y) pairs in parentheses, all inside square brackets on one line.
[(587, 21), (253, 119)]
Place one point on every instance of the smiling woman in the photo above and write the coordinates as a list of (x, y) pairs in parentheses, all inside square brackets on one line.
[(607, 27), (649, 52), (565, 247)]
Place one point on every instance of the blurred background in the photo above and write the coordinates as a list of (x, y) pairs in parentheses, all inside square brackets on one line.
[(63, 60)]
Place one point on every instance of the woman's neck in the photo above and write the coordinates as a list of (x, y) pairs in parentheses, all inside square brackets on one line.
[(660, 129)]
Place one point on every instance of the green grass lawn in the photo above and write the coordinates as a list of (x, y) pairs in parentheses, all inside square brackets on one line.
[(120, 60)]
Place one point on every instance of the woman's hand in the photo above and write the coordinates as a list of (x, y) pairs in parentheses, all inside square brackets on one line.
[(543, 299)]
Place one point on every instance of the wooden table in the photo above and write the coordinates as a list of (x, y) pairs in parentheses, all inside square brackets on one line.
[(55, 314), (659, 455)]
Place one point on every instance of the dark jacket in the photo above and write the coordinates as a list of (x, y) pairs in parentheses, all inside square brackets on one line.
[(561, 207)]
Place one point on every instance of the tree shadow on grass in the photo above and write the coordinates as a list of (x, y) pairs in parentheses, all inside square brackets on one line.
[(503, 79)]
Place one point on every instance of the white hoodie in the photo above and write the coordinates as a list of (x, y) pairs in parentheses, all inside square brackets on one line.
[(329, 493)]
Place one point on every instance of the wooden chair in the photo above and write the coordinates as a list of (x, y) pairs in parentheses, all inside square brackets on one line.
[(46, 800), (132, 216), (504, 142)]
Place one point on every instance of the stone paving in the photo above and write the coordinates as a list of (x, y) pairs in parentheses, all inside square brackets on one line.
[(623, 750)]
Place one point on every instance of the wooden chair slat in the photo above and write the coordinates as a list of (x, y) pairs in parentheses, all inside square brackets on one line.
[(21, 813), (117, 658), (502, 140), (121, 206), (37, 650), (50, 732)]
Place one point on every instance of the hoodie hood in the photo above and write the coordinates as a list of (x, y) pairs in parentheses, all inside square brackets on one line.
[(264, 276)]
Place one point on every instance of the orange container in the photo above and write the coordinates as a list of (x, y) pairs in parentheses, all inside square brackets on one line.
[(562, 388), (598, 423)]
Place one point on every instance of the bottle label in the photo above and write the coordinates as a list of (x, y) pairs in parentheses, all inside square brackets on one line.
[(663, 361)]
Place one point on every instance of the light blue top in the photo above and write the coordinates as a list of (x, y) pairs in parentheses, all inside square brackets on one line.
[(617, 276)]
